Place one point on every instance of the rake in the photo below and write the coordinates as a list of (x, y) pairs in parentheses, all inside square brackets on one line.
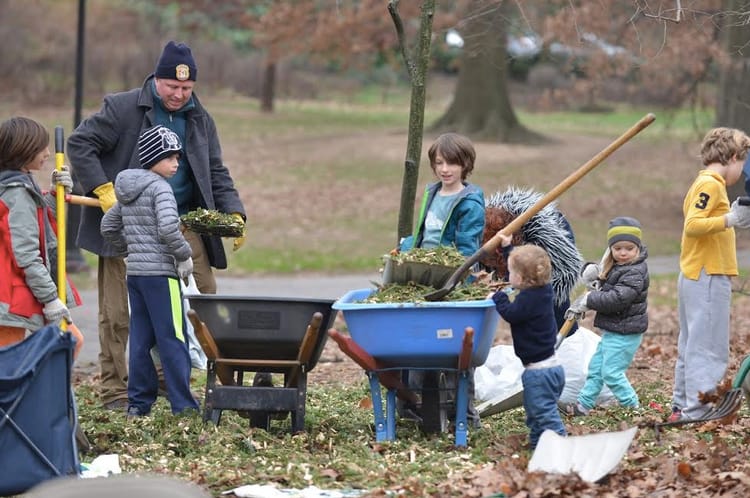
[(728, 405)]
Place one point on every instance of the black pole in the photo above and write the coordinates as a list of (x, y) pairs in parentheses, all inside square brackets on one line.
[(79, 61), (75, 262)]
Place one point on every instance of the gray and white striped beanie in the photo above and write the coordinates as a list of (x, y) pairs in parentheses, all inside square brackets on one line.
[(157, 143)]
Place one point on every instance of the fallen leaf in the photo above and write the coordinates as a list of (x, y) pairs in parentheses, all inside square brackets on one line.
[(366, 403), (684, 470)]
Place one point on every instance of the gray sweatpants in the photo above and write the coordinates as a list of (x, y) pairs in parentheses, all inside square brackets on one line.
[(703, 343)]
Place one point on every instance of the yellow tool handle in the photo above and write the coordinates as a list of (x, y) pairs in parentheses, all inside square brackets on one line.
[(61, 221)]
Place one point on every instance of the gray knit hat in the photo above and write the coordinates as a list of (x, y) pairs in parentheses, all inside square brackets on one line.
[(155, 144), (624, 228)]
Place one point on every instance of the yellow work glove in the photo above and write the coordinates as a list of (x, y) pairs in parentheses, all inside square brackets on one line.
[(106, 194), (239, 241)]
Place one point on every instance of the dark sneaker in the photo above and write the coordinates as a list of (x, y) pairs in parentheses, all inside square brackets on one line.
[(576, 410), (118, 405), (134, 413)]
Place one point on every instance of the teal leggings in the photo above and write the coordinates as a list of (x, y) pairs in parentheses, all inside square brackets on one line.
[(608, 366)]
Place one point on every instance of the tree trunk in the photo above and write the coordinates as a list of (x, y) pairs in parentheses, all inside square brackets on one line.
[(417, 66), (267, 87), (481, 107), (733, 102)]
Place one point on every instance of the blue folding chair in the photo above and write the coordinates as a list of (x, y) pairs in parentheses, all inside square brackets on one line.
[(37, 411)]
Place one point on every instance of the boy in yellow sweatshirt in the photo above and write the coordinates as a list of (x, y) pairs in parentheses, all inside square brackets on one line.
[(708, 261)]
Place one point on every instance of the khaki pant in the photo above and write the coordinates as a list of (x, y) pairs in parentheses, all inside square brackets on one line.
[(114, 318), (11, 335)]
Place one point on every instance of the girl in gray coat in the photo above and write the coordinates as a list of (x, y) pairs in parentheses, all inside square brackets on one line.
[(144, 225), (621, 315)]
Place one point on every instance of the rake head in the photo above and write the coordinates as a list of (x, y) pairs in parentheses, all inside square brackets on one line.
[(728, 405)]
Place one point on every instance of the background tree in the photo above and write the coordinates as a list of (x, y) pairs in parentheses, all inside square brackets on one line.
[(733, 104), (481, 106), (416, 63)]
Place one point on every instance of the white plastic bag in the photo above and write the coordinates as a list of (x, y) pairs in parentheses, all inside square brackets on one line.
[(499, 378), (198, 358), (500, 375), (574, 355)]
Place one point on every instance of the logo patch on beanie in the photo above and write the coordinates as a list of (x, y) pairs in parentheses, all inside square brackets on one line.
[(182, 72)]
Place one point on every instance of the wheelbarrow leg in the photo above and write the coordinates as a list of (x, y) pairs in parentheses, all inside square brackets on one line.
[(298, 415), (381, 423), (462, 388), (210, 414), (462, 405)]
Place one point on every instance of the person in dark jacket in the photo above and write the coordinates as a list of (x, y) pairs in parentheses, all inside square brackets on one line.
[(531, 316), (105, 144), (621, 315), (144, 226)]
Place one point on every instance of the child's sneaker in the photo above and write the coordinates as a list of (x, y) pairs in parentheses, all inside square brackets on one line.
[(675, 415), (576, 410)]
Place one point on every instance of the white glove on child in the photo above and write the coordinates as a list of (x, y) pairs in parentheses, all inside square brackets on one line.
[(738, 216), (185, 268), (55, 310), (578, 308), (64, 178), (590, 276)]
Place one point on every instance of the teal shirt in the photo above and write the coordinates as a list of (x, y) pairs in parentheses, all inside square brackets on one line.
[(182, 182), (437, 215)]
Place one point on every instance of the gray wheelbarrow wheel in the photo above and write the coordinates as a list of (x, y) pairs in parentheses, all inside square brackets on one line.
[(434, 402)]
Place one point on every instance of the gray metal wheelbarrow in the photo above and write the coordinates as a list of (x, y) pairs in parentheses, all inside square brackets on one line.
[(262, 335)]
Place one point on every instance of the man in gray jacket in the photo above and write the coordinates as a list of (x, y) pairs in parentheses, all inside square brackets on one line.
[(105, 144)]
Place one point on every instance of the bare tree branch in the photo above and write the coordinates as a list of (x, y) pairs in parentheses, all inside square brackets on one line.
[(399, 25), (661, 14)]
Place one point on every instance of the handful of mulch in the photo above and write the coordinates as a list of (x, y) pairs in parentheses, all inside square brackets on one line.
[(212, 222)]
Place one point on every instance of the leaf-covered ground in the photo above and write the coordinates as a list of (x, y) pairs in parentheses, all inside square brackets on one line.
[(338, 448)]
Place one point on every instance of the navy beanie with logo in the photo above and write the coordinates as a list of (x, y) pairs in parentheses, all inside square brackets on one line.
[(157, 143), (176, 63)]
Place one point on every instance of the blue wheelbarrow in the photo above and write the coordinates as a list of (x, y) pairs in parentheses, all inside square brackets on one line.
[(442, 338)]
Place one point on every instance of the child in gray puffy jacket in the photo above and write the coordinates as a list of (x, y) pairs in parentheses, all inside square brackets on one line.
[(144, 225), (621, 315)]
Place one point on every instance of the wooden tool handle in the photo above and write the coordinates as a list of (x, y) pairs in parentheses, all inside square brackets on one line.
[(516, 225)]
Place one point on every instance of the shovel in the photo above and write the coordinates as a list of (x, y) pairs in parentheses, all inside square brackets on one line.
[(62, 240), (553, 194), (82, 441)]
